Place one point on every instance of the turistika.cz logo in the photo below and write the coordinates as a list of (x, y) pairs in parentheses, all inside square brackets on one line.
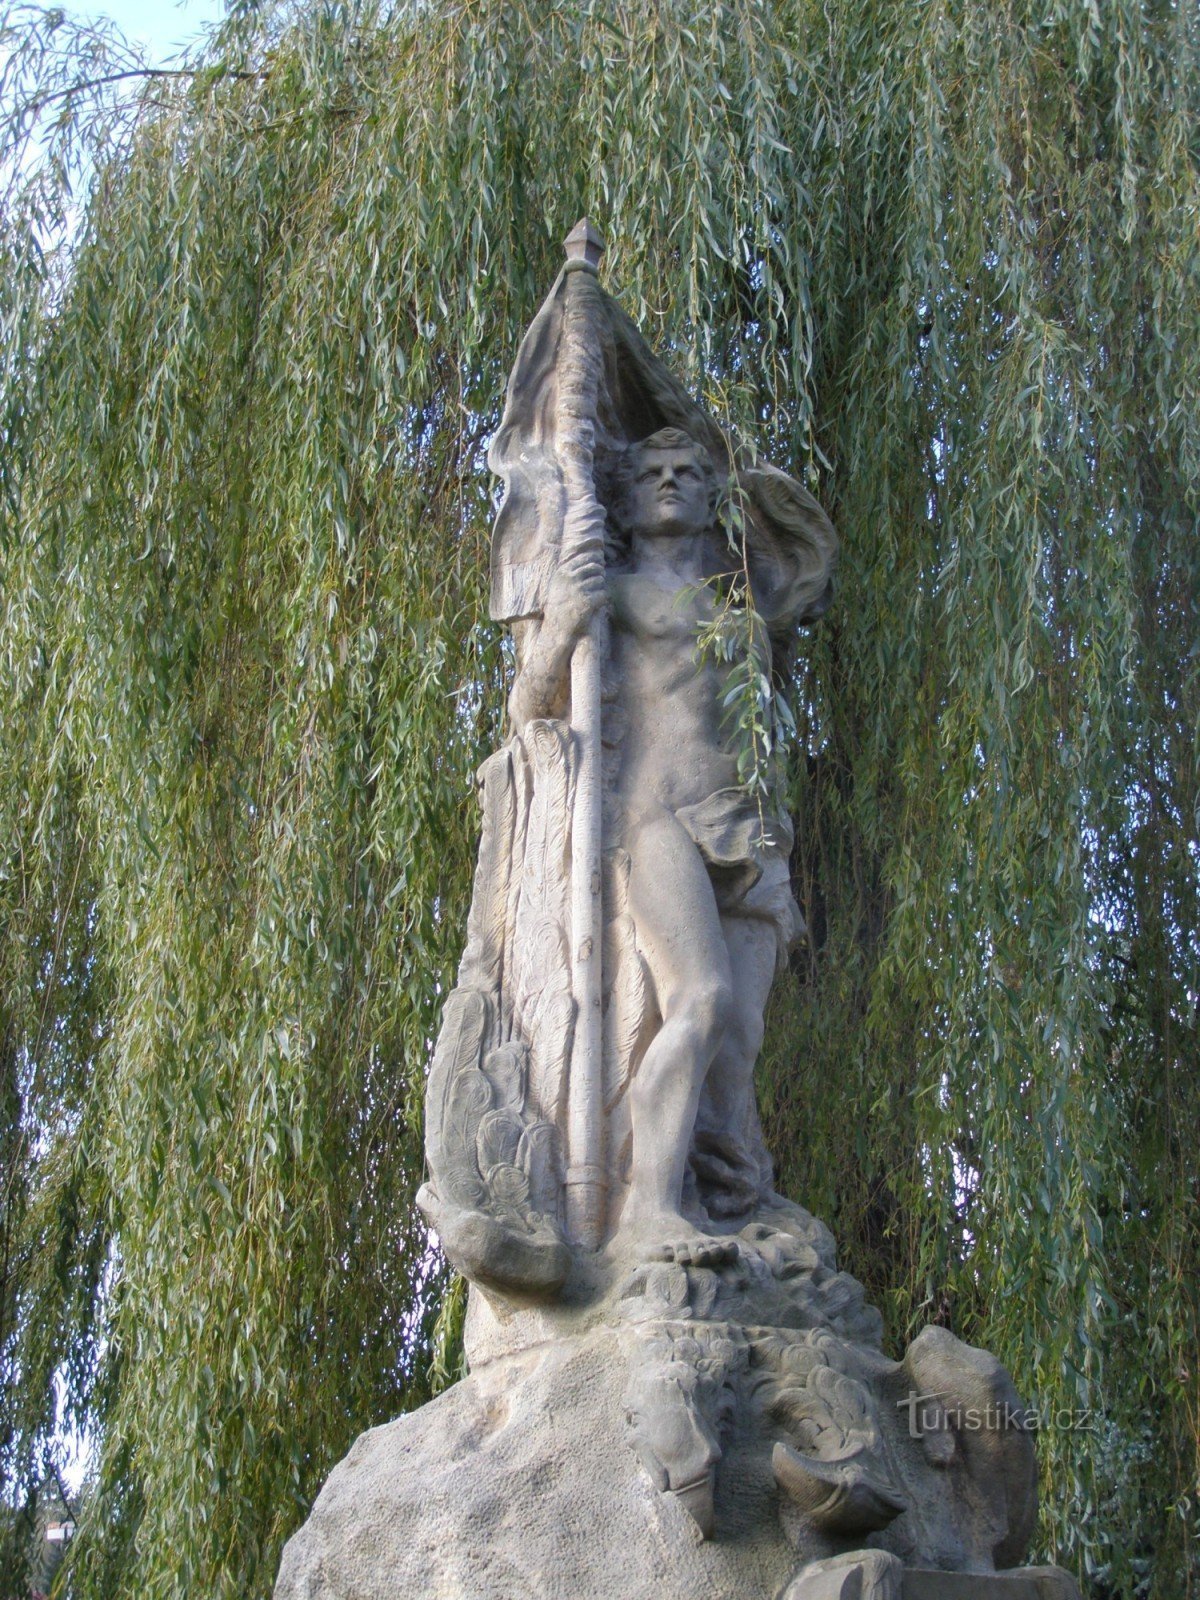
[(934, 1413)]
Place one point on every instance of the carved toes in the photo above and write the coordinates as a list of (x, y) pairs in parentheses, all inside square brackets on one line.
[(699, 1251)]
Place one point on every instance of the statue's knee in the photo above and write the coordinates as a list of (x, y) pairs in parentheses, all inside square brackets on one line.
[(710, 1005)]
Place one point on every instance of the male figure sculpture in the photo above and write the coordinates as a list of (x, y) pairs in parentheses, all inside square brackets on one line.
[(708, 886), (673, 1391), (593, 1079)]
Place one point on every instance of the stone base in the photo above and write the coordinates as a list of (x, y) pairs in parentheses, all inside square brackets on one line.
[(1021, 1583), (705, 1433), (875, 1576), (518, 1484)]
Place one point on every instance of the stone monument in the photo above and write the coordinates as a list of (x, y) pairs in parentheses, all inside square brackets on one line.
[(673, 1391)]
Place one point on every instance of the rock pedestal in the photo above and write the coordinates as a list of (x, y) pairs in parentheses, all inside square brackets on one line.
[(731, 1432)]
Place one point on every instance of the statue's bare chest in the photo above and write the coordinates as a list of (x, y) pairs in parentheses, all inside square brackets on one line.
[(654, 614)]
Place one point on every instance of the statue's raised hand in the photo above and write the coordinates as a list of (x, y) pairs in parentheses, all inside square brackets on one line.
[(577, 589)]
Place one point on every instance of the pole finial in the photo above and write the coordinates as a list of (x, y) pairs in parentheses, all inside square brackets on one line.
[(584, 246)]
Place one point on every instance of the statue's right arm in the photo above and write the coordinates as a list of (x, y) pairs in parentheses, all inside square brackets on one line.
[(545, 644)]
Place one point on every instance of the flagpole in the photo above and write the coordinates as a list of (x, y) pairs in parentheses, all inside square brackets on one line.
[(579, 376)]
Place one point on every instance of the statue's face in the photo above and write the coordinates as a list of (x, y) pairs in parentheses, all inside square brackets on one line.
[(668, 492)]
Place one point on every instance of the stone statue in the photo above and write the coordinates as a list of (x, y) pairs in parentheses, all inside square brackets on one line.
[(673, 1390), (705, 868), (695, 906)]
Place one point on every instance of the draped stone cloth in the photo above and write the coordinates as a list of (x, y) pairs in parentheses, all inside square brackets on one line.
[(790, 541)]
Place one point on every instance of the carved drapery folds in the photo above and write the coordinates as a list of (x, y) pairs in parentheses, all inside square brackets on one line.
[(790, 543), (497, 1082)]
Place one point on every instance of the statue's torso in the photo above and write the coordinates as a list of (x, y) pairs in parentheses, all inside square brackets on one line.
[(667, 695)]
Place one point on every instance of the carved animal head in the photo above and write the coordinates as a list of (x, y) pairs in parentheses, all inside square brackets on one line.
[(673, 1439)]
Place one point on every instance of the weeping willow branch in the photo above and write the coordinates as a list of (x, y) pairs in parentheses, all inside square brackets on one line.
[(255, 320), (86, 86)]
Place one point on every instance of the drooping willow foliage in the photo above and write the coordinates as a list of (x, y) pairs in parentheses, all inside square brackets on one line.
[(940, 255)]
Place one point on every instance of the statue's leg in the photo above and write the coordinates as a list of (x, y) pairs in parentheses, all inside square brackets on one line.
[(728, 1156), (679, 931)]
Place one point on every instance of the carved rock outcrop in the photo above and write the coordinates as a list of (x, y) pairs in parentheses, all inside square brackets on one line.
[(732, 1432)]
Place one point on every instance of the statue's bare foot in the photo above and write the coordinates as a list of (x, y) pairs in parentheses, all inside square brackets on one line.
[(673, 1238), (700, 1251)]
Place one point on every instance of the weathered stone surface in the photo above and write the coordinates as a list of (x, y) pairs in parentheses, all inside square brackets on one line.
[(518, 1482), (671, 1445), (862, 1575), (873, 1575), (1029, 1583)]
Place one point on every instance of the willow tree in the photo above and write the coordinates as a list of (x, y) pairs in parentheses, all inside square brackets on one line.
[(942, 258)]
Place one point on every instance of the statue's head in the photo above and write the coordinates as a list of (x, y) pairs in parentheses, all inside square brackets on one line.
[(665, 484)]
